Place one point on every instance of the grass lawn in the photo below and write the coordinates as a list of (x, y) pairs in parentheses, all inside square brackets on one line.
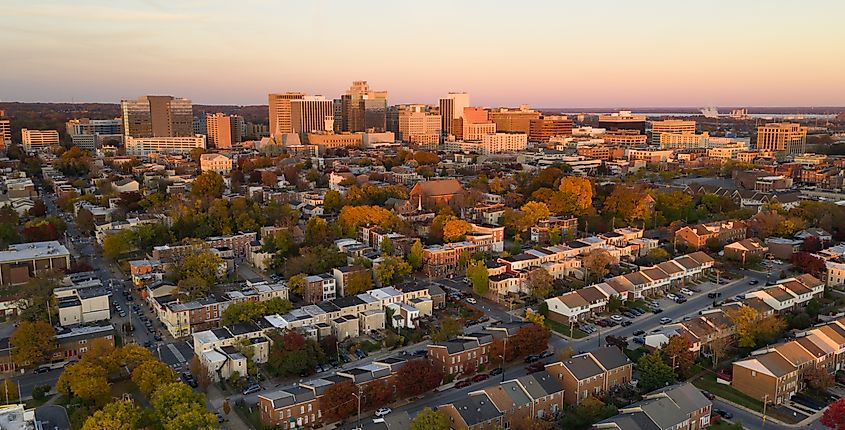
[(249, 415), (708, 382), (724, 425), (635, 354), (32, 403), (564, 329)]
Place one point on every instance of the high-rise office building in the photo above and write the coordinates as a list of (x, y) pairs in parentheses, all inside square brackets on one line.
[(157, 116), (339, 118), (452, 108), (544, 128), (311, 113), (783, 138), (363, 109), (223, 130), (675, 126), (474, 124), (418, 124), (34, 140), (279, 104), (5, 130), (623, 120), (513, 120), (89, 134)]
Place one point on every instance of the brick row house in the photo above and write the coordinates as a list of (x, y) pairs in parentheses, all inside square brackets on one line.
[(592, 374), (696, 236), (676, 407)]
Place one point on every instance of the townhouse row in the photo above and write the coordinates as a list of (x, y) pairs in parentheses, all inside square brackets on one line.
[(676, 407), (582, 304)]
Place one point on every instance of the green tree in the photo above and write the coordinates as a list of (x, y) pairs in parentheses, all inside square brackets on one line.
[(359, 282), (540, 283), (317, 231), (117, 415), (208, 185), (204, 265), (117, 244), (332, 202), (430, 419), (449, 328), (478, 275), (654, 372), (415, 255), (32, 342), (297, 283), (386, 247), (391, 270), (150, 374)]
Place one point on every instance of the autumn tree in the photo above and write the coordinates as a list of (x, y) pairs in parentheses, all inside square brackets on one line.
[(678, 354), (455, 230), (352, 217), (200, 372), (177, 407), (430, 419), (533, 212), (9, 391), (391, 270), (359, 282), (654, 372), (449, 328), (117, 415), (535, 318), (377, 394), (769, 330), (317, 231), (478, 275), (386, 246), (339, 401), (834, 415), (32, 342), (819, 378), (417, 376), (415, 255), (297, 283), (529, 339), (86, 380), (808, 263), (540, 283), (575, 196), (208, 185), (597, 263), (291, 354), (150, 374), (117, 244), (630, 204), (744, 319), (332, 202)]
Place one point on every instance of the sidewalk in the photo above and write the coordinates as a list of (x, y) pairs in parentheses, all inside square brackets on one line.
[(215, 399), (803, 423)]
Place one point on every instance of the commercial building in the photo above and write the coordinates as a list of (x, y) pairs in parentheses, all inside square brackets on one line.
[(675, 126), (510, 120), (335, 140), (35, 140), (280, 111), (5, 131), (82, 303), (418, 124), (682, 140), (452, 108), (157, 116), (27, 260), (782, 138), (492, 143), (362, 109), (223, 130), (311, 113), (217, 163), (543, 128), (145, 146), (624, 137), (623, 120)]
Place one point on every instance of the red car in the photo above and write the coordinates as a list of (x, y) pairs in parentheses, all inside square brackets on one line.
[(535, 367), (463, 384), (480, 377)]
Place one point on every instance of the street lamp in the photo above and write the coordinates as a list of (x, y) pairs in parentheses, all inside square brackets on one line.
[(358, 397)]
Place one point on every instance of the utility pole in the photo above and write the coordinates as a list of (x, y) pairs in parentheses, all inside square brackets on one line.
[(504, 353), (765, 402)]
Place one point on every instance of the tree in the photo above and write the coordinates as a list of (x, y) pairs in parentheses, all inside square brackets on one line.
[(535, 317), (430, 419), (339, 401), (297, 283), (386, 246), (117, 415), (192, 287), (352, 217), (32, 342), (359, 282), (377, 393), (614, 303), (478, 275), (117, 244), (654, 372), (449, 328), (200, 372), (317, 231), (204, 266), (540, 283), (834, 415), (819, 378), (9, 391), (415, 255), (455, 230), (150, 374), (86, 380), (533, 212), (808, 263), (678, 354), (768, 330), (529, 339), (597, 263), (208, 185), (332, 202), (177, 407), (391, 270), (575, 196), (417, 376), (291, 354), (657, 256), (811, 244), (85, 220), (744, 319)]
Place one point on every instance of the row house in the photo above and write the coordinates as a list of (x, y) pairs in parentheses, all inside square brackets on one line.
[(483, 213), (442, 260), (578, 305), (488, 237), (239, 243), (260, 291), (774, 374), (745, 249), (462, 355), (70, 343), (319, 288), (146, 272), (563, 226), (183, 319), (676, 407), (696, 236), (222, 350), (790, 293), (537, 396), (592, 374)]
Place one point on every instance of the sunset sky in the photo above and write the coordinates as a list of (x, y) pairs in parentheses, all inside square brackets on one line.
[(544, 53)]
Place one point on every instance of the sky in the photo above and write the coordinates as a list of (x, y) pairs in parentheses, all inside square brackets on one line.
[(607, 53)]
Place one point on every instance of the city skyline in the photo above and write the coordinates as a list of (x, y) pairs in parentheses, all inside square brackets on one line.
[(571, 55)]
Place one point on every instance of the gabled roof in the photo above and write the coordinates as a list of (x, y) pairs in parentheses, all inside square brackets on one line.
[(610, 357), (438, 187), (582, 366), (476, 408)]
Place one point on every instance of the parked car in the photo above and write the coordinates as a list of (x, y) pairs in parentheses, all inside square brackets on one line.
[(471, 300), (497, 371), (251, 389), (657, 311), (220, 418), (535, 367), (41, 369), (739, 297), (665, 320), (483, 319), (617, 318), (639, 332), (532, 358), (714, 295), (546, 354), (723, 413), (681, 300), (640, 340), (708, 395), (637, 311), (687, 291), (672, 296), (629, 314), (463, 384), (380, 412), (601, 323), (753, 282), (480, 377)]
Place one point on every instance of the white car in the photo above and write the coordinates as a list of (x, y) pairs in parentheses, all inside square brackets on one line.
[(687, 291), (672, 296), (471, 300), (665, 320), (380, 412), (616, 318)]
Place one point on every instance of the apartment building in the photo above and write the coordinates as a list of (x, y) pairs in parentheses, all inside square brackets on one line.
[(565, 227), (217, 163), (82, 303), (592, 374), (418, 125), (782, 138), (696, 236), (280, 111), (183, 319), (461, 355), (181, 145), (682, 141), (676, 407), (343, 275), (673, 126), (746, 249), (223, 130), (21, 262), (451, 108), (157, 116), (790, 293), (513, 120), (493, 143), (442, 260), (36, 140)]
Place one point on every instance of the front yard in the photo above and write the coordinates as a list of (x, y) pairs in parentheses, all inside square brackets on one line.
[(564, 329)]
